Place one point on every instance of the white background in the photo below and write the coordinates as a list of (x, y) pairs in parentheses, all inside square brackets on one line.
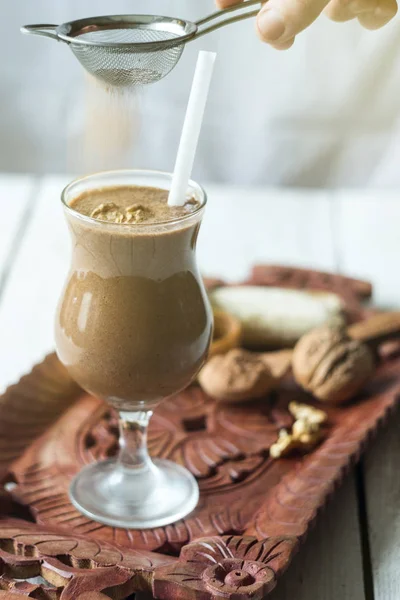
[(325, 113)]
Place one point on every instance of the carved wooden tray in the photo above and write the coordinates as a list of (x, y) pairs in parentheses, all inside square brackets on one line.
[(253, 512)]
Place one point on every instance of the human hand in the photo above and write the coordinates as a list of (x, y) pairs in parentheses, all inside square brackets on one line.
[(279, 21)]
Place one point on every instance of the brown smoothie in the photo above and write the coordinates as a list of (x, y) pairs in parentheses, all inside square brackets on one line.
[(133, 324)]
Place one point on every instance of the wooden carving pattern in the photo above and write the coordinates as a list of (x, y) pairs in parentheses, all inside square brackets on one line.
[(226, 448), (293, 503), (252, 512), (232, 567), (220, 445), (28, 408), (47, 594), (73, 567)]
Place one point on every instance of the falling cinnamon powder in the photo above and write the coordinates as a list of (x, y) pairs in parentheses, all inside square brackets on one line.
[(108, 131)]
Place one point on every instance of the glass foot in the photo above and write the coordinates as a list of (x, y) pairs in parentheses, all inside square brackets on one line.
[(120, 496)]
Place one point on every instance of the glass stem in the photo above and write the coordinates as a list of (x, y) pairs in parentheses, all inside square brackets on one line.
[(133, 452)]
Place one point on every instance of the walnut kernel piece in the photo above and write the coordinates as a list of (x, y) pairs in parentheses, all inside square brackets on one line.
[(108, 212), (137, 213), (307, 434), (306, 431), (303, 427), (305, 412), (284, 445), (308, 441)]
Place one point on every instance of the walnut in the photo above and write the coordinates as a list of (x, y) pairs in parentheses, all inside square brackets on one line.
[(330, 365), (236, 376), (308, 435), (302, 427), (108, 212), (284, 445), (306, 431), (307, 413), (137, 213), (278, 362)]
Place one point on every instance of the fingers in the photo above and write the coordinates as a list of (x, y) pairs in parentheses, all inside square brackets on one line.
[(284, 45), (372, 14), (383, 13), (279, 21), (339, 11), (226, 3)]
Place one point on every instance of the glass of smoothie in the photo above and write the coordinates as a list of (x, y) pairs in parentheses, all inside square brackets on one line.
[(133, 326)]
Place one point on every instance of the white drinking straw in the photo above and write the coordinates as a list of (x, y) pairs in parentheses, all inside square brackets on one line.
[(191, 128)]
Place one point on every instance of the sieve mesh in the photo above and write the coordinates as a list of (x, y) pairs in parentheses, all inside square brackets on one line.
[(125, 65), (129, 50)]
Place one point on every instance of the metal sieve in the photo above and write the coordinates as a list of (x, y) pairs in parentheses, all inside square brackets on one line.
[(127, 50)]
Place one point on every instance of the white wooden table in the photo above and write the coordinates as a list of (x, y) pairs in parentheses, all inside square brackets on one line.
[(354, 552)]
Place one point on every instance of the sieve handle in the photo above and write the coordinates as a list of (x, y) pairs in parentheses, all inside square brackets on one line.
[(45, 30), (243, 13)]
